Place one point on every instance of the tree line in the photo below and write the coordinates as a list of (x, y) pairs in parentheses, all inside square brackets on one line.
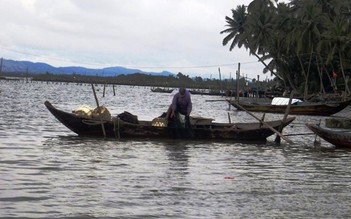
[(301, 42), (171, 81)]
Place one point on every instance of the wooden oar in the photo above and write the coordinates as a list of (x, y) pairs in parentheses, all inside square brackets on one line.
[(268, 126), (98, 107)]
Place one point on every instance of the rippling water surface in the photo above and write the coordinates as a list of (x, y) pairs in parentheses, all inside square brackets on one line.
[(46, 171)]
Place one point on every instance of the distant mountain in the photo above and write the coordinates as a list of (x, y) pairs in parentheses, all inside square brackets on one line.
[(12, 66)]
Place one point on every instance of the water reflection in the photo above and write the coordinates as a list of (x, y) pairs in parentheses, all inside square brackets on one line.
[(177, 155)]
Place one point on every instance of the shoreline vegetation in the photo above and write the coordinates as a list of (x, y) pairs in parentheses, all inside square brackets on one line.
[(155, 81), (227, 87)]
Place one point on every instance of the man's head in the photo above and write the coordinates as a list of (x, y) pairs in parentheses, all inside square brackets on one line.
[(182, 91)]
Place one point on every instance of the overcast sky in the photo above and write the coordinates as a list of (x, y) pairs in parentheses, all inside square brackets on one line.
[(151, 35)]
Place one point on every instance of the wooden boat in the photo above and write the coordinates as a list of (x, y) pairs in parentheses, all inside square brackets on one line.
[(301, 108), (162, 90), (208, 92), (337, 137), (200, 128)]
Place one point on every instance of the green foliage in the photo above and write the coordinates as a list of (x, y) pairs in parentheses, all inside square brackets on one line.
[(300, 42)]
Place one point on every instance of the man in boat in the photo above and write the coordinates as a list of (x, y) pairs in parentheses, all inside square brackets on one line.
[(181, 104)]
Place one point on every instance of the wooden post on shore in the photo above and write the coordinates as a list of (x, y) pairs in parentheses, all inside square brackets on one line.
[(237, 81), (114, 92), (220, 79)]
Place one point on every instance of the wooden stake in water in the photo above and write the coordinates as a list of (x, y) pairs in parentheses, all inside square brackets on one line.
[(277, 139), (97, 104), (104, 91)]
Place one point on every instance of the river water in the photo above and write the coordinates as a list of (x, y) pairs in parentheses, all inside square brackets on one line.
[(46, 171)]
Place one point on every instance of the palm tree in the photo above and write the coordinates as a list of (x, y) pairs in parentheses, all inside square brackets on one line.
[(236, 28), (338, 37), (269, 26), (278, 46), (307, 34), (238, 34), (296, 42)]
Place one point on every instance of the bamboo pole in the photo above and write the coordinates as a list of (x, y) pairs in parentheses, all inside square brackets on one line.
[(287, 111), (268, 126), (97, 104), (104, 90)]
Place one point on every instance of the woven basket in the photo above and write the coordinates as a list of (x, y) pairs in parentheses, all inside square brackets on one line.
[(159, 122)]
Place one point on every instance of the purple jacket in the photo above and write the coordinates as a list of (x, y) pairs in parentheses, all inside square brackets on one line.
[(182, 104)]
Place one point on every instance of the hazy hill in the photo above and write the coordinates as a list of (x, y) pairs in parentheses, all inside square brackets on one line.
[(12, 66)]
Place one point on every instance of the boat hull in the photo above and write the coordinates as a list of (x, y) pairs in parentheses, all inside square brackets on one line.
[(117, 128), (337, 137), (315, 109)]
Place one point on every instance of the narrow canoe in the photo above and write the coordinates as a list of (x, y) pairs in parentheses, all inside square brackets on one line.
[(315, 109), (337, 137), (116, 127)]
